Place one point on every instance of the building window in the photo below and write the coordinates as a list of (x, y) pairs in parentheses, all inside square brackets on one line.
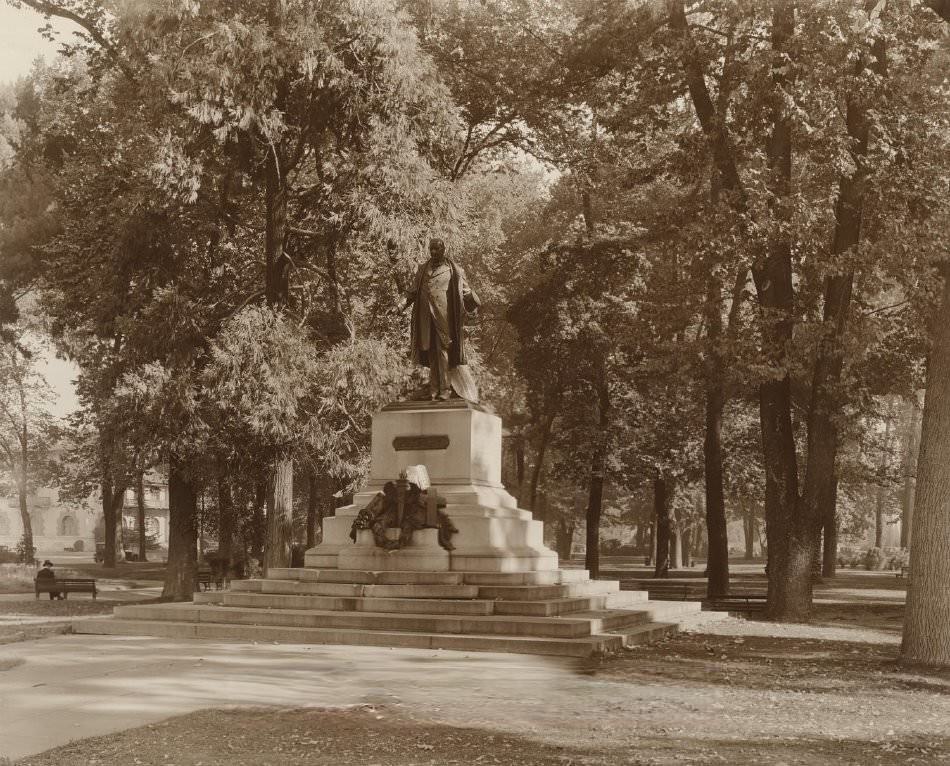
[(68, 526)]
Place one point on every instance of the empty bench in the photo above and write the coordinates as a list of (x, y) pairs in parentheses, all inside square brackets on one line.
[(206, 578), (737, 602), (66, 585)]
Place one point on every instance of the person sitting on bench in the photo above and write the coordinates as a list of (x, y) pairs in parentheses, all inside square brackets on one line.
[(47, 574)]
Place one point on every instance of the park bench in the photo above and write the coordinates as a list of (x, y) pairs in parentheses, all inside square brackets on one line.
[(206, 578), (66, 585), (672, 591), (736, 602)]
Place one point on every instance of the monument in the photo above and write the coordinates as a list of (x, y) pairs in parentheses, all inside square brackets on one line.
[(433, 552), (459, 443)]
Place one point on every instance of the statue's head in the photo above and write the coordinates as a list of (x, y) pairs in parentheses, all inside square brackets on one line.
[(436, 250)]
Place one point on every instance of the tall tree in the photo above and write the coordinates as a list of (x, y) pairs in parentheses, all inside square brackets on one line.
[(26, 429)]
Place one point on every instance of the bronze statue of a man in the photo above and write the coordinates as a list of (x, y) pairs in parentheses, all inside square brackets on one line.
[(440, 299)]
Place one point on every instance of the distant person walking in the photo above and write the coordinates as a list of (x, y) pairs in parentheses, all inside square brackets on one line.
[(47, 574)]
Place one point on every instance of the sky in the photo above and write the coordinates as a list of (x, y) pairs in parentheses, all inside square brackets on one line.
[(20, 42), (20, 45)]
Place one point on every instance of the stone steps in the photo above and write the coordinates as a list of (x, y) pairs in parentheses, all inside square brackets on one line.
[(575, 626), (355, 590), (625, 600), (334, 603), (559, 613), (556, 606), (363, 577), (553, 577), (565, 647), (545, 592)]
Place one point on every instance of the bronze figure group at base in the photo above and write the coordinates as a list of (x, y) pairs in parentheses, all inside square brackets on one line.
[(403, 505)]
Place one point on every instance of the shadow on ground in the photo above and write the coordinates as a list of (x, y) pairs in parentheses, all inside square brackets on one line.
[(353, 737), (387, 737), (873, 616), (769, 663)]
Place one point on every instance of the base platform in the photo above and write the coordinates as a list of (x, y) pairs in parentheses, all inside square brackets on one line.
[(560, 612)]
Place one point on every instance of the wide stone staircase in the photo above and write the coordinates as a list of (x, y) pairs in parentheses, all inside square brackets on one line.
[(560, 612)]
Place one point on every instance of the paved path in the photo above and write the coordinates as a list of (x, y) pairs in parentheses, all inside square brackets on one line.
[(69, 687)]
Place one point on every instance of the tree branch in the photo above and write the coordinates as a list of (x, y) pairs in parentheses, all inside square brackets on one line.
[(49, 9)]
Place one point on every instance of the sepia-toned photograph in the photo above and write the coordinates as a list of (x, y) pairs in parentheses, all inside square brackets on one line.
[(476, 382)]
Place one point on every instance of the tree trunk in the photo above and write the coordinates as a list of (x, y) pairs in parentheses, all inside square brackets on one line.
[(911, 446), (816, 556), (182, 567), (790, 539), (280, 515), (598, 467), (717, 534), (519, 465), (543, 438), (314, 513), (789, 564), (826, 401), (26, 541), (564, 537), (687, 537), (652, 558), (109, 521), (829, 562), (23, 438), (927, 614), (594, 508), (225, 520), (259, 522), (880, 496), (750, 533), (587, 207), (879, 517), (279, 534), (661, 509), (140, 516), (676, 549)]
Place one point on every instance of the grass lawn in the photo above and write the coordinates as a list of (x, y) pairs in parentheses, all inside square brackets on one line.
[(18, 578), (123, 570)]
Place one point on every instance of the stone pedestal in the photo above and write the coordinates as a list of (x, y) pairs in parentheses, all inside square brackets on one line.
[(460, 445), (423, 554)]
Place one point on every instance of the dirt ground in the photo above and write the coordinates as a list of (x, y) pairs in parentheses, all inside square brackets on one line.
[(737, 691)]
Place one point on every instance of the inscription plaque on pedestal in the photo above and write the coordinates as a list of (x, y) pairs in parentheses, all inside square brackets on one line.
[(420, 442)]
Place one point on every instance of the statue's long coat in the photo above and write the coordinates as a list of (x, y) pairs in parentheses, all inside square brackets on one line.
[(456, 313)]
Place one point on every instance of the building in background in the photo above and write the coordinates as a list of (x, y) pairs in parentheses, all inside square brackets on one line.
[(57, 525), (62, 526)]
